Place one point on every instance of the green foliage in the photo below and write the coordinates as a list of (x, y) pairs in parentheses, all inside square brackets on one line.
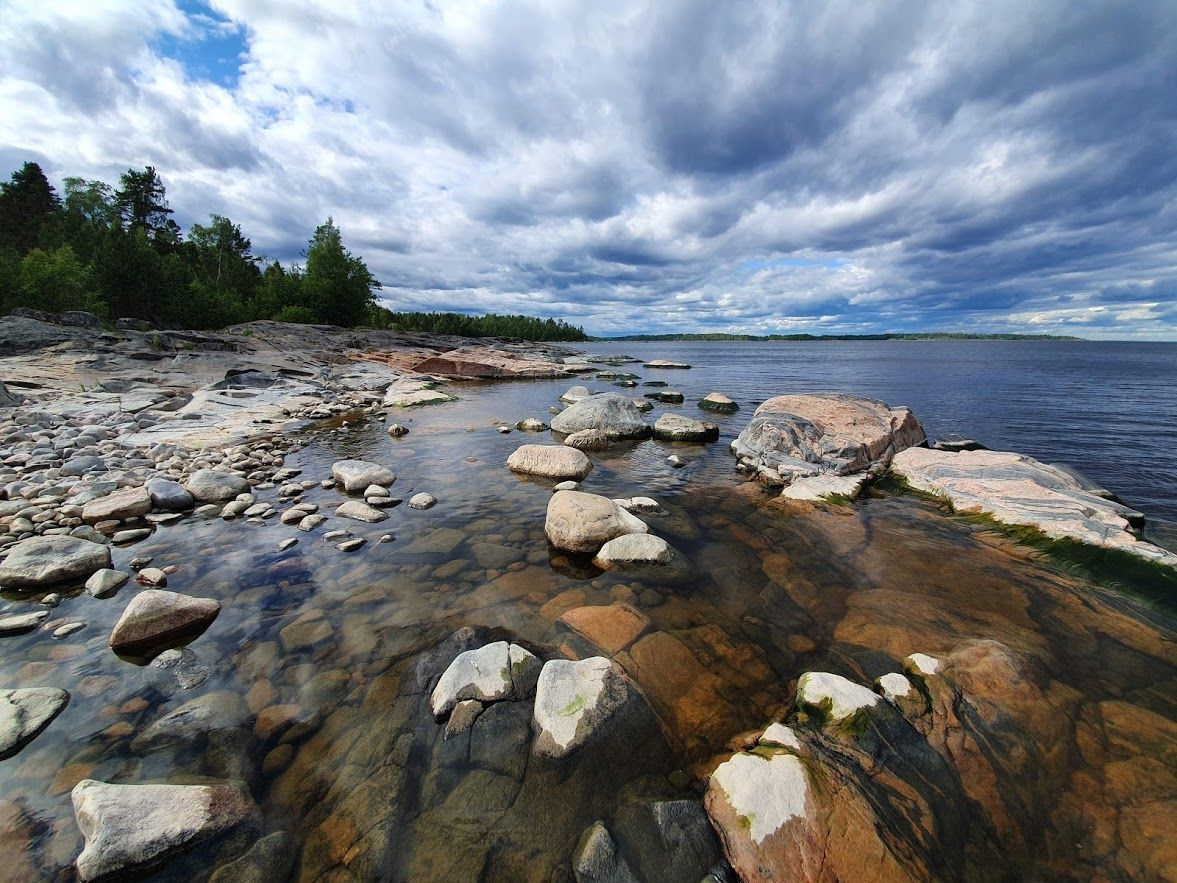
[(57, 281), (336, 286), (926, 335), (295, 314), (28, 205)]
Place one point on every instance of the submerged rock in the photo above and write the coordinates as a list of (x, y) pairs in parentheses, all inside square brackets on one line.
[(664, 363), (580, 522), (799, 436), (1019, 490), (550, 461), (574, 700), (155, 617), (612, 413), (25, 713), (643, 553), (50, 560), (129, 828), (596, 858)]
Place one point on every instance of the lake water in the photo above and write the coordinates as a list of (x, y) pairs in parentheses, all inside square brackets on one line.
[(317, 667)]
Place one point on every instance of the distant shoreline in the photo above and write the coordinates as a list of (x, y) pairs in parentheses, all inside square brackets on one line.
[(824, 337)]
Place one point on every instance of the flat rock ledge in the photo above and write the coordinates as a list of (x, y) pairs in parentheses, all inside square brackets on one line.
[(580, 522), (550, 461), (1019, 490), (129, 828), (155, 617), (573, 700), (802, 436)]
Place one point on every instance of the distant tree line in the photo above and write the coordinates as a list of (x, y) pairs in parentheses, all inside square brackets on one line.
[(117, 252), (489, 325), (916, 335)]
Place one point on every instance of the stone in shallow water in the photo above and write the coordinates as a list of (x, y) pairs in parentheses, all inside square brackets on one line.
[(25, 713), (22, 622), (122, 504), (49, 560), (580, 522), (422, 501), (154, 617), (268, 861), (105, 582), (573, 700), (643, 554), (817, 488), (490, 673), (215, 486), (132, 827), (355, 475), (611, 627), (218, 710), (833, 696), (170, 496), (676, 427), (358, 511), (612, 413), (719, 403), (596, 858), (550, 461)]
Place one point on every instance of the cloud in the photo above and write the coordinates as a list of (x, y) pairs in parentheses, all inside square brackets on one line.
[(670, 166)]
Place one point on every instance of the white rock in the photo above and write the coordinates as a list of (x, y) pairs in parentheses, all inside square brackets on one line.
[(105, 582), (358, 511), (894, 686), (550, 461), (779, 734), (25, 713), (355, 475), (580, 522), (422, 501), (816, 488), (488, 674), (215, 486), (765, 791), (573, 700), (836, 696), (922, 664), (128, 827)]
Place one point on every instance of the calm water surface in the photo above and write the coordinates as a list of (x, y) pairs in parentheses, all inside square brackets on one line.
[(328, 643)]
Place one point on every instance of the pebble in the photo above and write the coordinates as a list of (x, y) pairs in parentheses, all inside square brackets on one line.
[(68, 629), (152, 576), (351, 545), (333, 535), (386, 538), (287, 543)]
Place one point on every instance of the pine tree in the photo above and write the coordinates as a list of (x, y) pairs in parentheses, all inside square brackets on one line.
[(28, 204)]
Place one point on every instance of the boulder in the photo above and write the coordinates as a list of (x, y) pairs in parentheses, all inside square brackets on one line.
[(1019, 490), (168, 495), (215, 486), (675, 427), (130, 828), (589, 440), (25, 713), (550, 461), (422, 501), (104, 583), (719, 403), (489, 673), (126, 503), (22, 622), (642, 553), (612, 413), (412, 392), (195, 719), (575, 394), (832, 698), (664, 363), (355, 475), (580, 522), (597, 859), (532, 424), (792, 437), (155, 617), (49, 560), (574, 700)]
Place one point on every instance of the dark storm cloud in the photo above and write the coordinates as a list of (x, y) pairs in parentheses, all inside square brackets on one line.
[(746, 166)]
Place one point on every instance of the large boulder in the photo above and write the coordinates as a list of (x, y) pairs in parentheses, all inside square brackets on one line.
[(215, 486), (131, 828), (155, 617), (550, 461), (25, 713), (1019, 490), (126, 503), (357, 475), (580, 522), (792, 437), (47, 561), (168, 495), (610, 412), (573, 700)]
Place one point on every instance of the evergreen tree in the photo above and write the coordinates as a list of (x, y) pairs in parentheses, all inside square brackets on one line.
[(142, 204), (336, 286), (28, 204)]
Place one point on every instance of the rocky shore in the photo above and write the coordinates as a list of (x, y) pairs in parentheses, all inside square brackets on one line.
[(596, 690)]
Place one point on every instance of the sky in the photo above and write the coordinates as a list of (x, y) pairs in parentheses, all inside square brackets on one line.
[(756, 167)]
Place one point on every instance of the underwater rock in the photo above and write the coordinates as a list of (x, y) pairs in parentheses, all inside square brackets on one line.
[(49, 560)]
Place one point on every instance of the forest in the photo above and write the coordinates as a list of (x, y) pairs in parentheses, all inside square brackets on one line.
[(117, 252)]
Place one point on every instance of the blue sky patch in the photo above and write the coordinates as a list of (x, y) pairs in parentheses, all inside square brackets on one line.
[(214, 48)]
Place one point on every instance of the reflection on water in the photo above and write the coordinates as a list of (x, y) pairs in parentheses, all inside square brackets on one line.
[(311, 673)]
